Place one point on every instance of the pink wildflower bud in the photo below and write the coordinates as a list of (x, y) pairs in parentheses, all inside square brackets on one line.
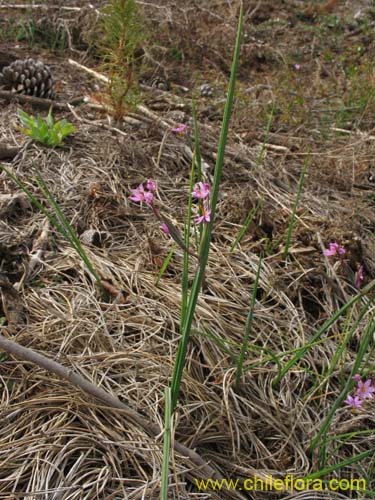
[(334, 249), (165, 228), (356, 377), (148, 197), (151, 185), (359, 276)]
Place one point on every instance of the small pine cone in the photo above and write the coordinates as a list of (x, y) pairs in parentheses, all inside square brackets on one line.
[(94, 237), (159, 82), (206, 90), (28, 77)]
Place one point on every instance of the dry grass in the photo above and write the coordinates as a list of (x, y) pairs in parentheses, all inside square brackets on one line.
[(58, 443)]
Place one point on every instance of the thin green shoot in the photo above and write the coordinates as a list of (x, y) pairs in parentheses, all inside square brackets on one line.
[(198, 158), (167, 444), (72, 235), (197, 161), (324, 328), (185, 271), (367, 336), (165, 264), (206, 236), (249, 219), (342, 346), (60, 222), (266, 135), (219, 342), (249, 322), (296, 203), (344, 463)]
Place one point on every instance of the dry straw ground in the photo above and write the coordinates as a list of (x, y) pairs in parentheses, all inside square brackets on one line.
[(57, 442)]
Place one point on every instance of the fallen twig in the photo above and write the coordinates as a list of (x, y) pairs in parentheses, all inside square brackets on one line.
[(201, 468), (38, 101)]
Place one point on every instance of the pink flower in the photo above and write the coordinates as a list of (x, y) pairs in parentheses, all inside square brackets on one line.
[(297, 66), (334, 249), (356, 377), (151, 185), (180, 130), (201, 190), (165, 228), (359, 276), (149, 197), (138, 194), (205, 217), (355, 402), (365, 389)]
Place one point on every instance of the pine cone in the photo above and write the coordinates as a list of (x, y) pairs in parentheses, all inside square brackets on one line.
[(206, 90), (159, 82), (28, 77)]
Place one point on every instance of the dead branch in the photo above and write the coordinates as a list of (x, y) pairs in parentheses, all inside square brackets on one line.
[(38, 101), (201, 468)]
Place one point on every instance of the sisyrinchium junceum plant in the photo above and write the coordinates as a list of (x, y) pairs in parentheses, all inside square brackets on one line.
[(207, 197)]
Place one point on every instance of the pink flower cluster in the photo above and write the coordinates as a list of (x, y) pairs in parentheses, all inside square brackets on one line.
[(140, 194), (363, 391), (201, 191), (336, 250)]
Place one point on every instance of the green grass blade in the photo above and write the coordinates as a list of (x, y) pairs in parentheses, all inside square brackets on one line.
[(293, 217), (249, 322), (367, 336), (320, 332), (185, 271), (72, 236), (206, 236), (167, 445), (55, 223), (165, 264), (198, 158), (249, 219), (351, 460)]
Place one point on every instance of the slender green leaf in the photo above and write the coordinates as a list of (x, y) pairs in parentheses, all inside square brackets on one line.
[(167, 444), (249, 322), (165, 264), (206, 236), (293, 217)]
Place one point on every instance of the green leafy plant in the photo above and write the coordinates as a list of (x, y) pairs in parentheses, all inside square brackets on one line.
[(46, 131)]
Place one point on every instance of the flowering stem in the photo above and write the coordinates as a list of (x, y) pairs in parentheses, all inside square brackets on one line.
[(172, 231), (206, 237)]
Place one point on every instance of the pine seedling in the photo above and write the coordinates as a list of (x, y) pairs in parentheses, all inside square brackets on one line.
[(119, 38)]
